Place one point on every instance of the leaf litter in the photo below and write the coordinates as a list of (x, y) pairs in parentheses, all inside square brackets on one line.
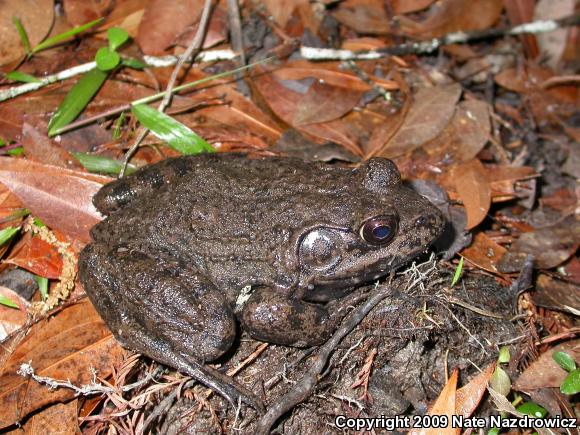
[(497, 132)]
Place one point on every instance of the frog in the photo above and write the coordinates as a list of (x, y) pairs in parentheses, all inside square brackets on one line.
[(194, 248)]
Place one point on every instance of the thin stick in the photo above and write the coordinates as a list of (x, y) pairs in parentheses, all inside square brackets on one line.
[(313, 53), (195, 45), (163, 61)]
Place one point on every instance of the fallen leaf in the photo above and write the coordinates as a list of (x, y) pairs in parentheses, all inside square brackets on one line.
[(89, 346), (407, 6), (556, 294), (430, 112), (363, 16), (465, 136), (281, 12), (40, 148), (484, 252), (38, 257), (552, 44), (550, 246), (81, 11), (36, 17), (444, 405), (545, 372), (467, 398), (324, 103), (60, 418), (473, 189), (448, 16), (61, 198)]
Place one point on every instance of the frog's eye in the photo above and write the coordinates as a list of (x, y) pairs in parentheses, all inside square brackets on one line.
[(379, 230)]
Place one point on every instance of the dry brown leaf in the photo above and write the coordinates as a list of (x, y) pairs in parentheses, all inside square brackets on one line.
[(407, 6), (285, 102), (473, 189), (430, 112), (57, 419), (448, 16), (82, 11), (163, 23), (545, 372), (324, 103), (466, 134), (61, 198), (329, 74), (363, 16), (67, 346), (550, 246), (281, 12), (553, 43), (467, 398), (40, 148), (556, 294), (36, 17), (444, 405), (484, 253)]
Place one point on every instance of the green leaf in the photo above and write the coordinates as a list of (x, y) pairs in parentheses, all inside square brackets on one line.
[(565, 361), (18, 76), (76, 100), (116, 37), (504, 355), (38, 222), (8, 302), (133, 63), (571, 384), (178, 136), (500, 381), (493, 431), (42, 286), (532, 409), (107, 59), (6, 234), (458, 272), (22, 34), (65, 35), (101, 164)]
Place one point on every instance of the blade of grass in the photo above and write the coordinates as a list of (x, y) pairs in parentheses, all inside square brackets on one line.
[(64, 35), (7, 302), (6, 234), (77, 99), (18, 76), (457, 273), (101, 164), (22, 34), (179, 137)]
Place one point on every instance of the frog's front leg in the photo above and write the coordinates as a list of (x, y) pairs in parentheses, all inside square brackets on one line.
[(274, 317), (164, 310)]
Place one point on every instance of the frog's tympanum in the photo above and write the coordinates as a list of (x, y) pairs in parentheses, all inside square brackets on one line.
[(184, 236)]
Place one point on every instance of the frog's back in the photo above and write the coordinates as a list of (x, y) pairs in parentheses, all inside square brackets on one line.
[(220, 197)]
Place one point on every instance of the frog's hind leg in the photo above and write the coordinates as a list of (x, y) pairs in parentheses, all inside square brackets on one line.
[(162, 310), (142, 182)]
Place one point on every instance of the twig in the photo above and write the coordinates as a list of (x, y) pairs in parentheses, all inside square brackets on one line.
[(195, 45), (163, 61), (26, 370), (424, 47), (303, 388)]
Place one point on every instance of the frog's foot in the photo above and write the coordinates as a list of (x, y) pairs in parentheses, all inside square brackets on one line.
[(273, 317), (164, 311)]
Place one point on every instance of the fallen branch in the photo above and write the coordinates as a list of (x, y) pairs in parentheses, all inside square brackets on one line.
[(425, 47)]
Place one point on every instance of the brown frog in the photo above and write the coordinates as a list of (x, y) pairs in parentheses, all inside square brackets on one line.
[(184, 236)]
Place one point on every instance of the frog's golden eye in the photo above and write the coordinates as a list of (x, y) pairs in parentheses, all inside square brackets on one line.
[(379, 230)]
